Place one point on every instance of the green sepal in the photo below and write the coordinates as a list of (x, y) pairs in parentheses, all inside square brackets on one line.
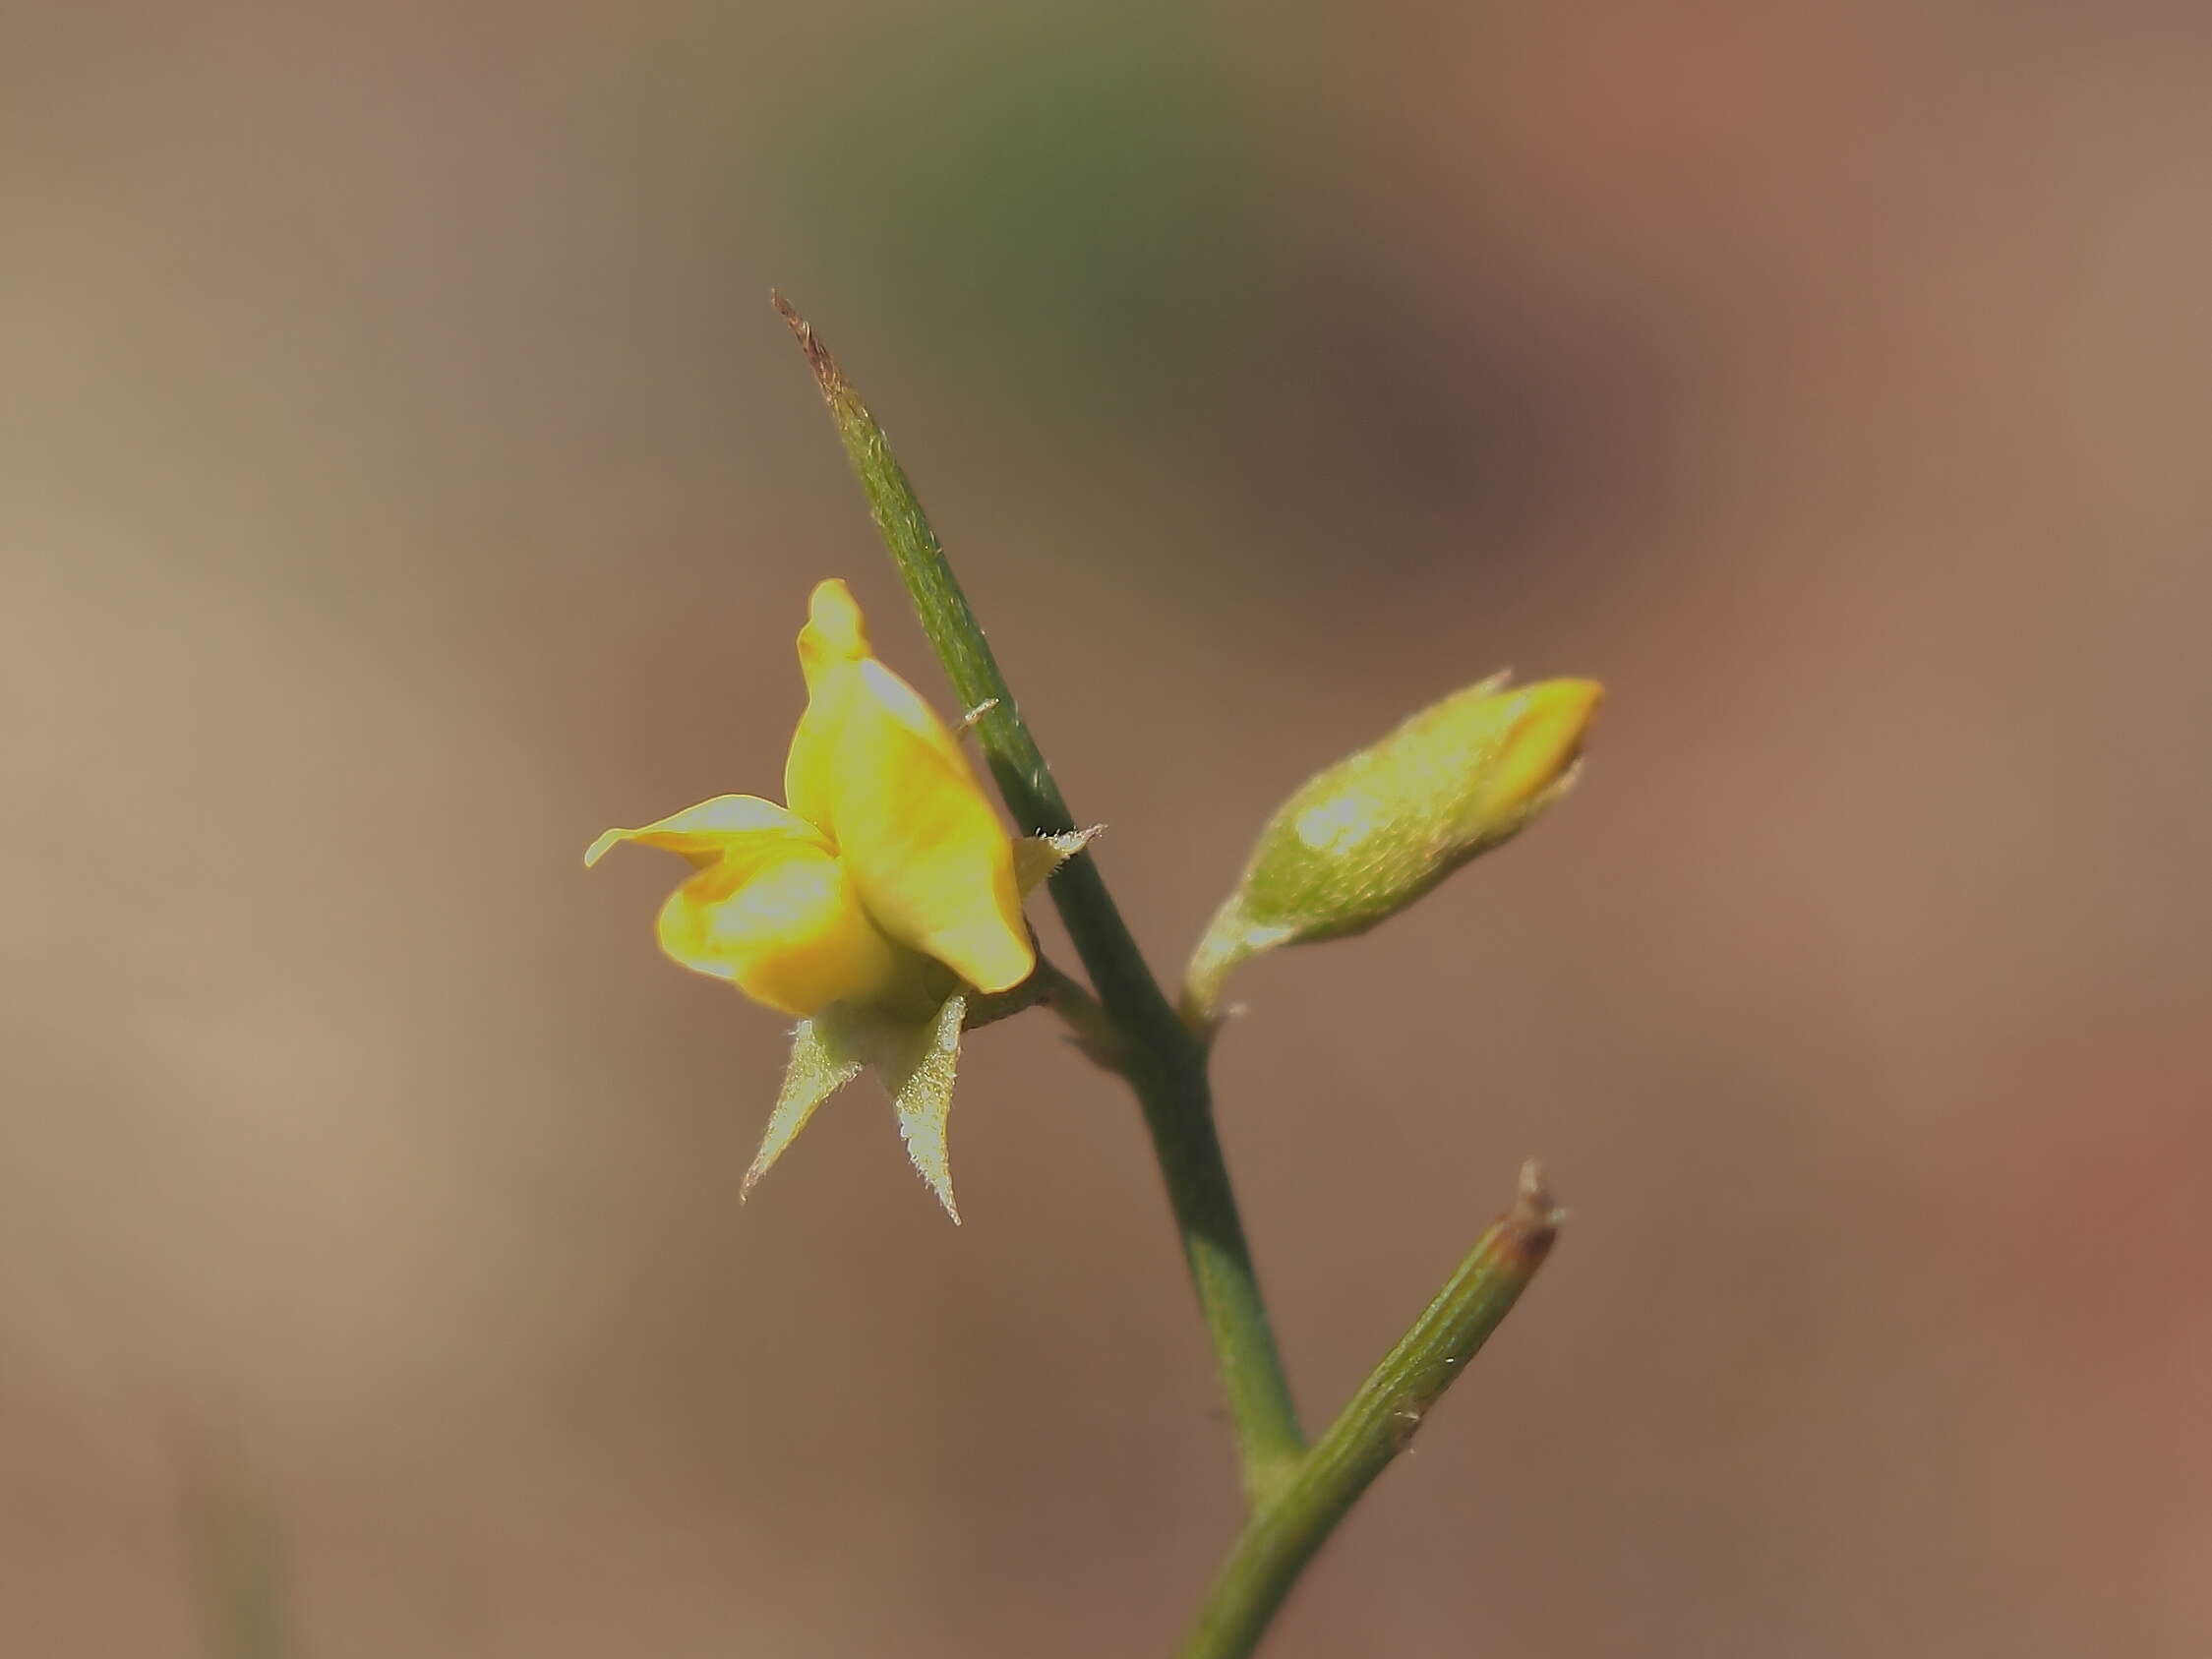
[(914, 1059), (826, 1055), (914, 1056), (1036, 857), (916, 1067)]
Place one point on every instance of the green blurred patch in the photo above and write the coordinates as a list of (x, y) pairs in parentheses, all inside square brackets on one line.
[(1070, 198), (234, 1539)]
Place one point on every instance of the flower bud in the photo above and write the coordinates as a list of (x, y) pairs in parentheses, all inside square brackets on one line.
[(1365, 838)]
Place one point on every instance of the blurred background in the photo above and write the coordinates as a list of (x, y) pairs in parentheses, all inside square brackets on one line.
[(402, 478)]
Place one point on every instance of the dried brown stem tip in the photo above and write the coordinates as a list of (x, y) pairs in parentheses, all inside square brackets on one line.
[(1533, 1209), (1531, 1227), (818, 358)]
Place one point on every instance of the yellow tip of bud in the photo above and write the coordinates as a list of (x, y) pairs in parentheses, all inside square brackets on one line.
[(1542, 728)]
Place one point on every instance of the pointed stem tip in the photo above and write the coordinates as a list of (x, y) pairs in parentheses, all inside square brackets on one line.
[(818, 358)]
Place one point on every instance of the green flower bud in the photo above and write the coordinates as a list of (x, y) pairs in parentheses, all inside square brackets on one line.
[(1364, 838)]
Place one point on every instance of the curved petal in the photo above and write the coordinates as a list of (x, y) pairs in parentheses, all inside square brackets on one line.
[(924, 846), (834, 657), (717, 828), (808, 768), (873, 767), (784, 924), (817, 747)]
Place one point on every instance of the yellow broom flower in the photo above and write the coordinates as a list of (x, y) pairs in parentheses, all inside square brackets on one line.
[(887, 857), (873, 907)]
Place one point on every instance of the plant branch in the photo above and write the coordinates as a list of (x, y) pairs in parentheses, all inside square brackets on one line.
[(1164, 1063), (1050, 987), (1285, 1531)]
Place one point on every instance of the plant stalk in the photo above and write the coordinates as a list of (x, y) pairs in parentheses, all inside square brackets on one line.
[(1295, 1496), (1164, 1063)]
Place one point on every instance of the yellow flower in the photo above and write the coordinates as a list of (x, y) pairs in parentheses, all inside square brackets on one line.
[(887, 858)]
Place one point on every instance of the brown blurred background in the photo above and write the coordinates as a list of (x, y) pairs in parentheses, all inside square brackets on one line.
[(402, 478)]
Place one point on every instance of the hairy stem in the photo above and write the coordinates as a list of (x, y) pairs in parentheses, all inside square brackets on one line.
[(1164, 1063)]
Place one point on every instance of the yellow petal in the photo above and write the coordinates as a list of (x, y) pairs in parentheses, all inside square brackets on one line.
[(923, 845), (771, 910), (835, 631), (705, 833), (834, 689), (784, 924), (873, 767)]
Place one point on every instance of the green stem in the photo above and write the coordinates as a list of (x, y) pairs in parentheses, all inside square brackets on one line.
[(1285, 1531), (1164, 1061), (1069, 997)]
